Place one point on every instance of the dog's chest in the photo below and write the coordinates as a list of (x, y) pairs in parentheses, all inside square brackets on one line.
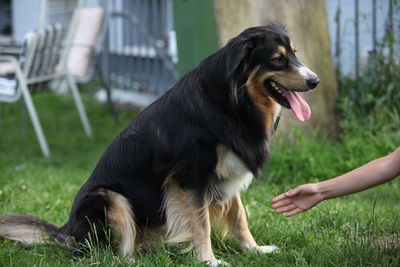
[(233, 175)]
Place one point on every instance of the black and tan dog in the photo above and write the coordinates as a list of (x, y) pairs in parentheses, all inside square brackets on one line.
[(186, 157)]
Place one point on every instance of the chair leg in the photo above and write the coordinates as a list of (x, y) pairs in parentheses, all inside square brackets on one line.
[(79, 106), (34, 117), (24, 126)]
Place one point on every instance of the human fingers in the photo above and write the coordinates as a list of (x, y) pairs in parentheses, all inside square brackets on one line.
[(293, 192), (293, 212), (289, 193), (278, 198), (282, 203), (287, 208)]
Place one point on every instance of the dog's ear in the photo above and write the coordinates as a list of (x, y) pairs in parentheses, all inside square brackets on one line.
[(238, 50), (237, 59)]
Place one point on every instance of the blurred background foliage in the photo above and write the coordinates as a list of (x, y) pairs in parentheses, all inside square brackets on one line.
[(370, 104)]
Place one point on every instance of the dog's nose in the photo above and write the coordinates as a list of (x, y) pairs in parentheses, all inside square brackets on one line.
[(312, 82)]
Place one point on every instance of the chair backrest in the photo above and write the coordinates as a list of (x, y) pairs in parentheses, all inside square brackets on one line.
[(38, 61), (42, 54), (9, 66)]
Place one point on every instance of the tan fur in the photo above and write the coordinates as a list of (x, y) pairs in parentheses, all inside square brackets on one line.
[(276, 55), (178, 208), (121, 221), (232, 216), (201, 237), (289, 79), (237, 223), (264, 102), (294, 50), (282, 50), (218, 216), (150, 238), (186, 220)]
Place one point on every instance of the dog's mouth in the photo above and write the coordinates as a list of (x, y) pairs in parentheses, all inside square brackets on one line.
[(289, 99)]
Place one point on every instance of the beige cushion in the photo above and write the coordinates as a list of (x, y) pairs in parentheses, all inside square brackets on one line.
[(88, 27), (7, 68)]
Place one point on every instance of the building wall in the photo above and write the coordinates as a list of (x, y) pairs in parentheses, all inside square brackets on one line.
[(60, 11), (25, 14)]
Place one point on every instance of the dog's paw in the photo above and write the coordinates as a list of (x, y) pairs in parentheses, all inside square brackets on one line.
[(216, 263), (261, 249), (266, 249)]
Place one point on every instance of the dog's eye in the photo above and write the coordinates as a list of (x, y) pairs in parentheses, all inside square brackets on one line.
[(279, 58)]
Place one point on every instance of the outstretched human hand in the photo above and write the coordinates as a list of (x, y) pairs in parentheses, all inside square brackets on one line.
[(297, 200), (374, 173)]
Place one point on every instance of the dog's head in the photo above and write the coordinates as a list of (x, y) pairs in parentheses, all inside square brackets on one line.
[(265, 58)]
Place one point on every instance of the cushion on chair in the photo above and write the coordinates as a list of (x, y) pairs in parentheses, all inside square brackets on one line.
[(8, 86), (7, 68), (84, 40)]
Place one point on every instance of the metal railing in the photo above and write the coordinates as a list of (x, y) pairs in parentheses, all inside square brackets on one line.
[(140, 48)]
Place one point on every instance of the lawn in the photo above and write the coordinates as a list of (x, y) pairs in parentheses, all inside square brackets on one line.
[(361, 229)]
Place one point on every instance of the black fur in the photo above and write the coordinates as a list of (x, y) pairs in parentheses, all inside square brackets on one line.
[(177, 135)]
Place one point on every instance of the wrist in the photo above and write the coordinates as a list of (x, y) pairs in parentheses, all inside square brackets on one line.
[(322, 191)]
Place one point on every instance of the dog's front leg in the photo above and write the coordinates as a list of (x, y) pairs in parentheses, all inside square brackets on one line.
[(201, 238), (238, 225), (201, 235), (188, 218)]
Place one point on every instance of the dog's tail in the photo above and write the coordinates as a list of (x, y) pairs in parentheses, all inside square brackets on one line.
[(30, 230)]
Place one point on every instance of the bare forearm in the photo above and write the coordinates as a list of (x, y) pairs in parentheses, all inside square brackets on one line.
[(371, 174)]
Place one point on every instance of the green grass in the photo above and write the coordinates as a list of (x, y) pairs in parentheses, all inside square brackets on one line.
[(354, 230)]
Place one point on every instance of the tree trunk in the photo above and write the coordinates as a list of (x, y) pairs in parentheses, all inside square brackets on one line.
[(306, 22)]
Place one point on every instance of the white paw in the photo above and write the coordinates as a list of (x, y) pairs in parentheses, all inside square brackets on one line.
[(216, 263), (267, 249), (261, 249)]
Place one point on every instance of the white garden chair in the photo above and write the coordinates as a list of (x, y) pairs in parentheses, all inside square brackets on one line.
[(43, 59)]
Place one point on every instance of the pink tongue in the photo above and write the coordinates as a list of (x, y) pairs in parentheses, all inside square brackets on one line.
[(299, 106)]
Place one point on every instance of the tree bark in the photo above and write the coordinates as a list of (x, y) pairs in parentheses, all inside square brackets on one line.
[(306, 22)]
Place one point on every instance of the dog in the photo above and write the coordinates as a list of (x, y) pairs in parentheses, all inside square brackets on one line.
[(185, 158)]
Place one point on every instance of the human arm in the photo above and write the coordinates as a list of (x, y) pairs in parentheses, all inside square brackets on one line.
[(306, 196)]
